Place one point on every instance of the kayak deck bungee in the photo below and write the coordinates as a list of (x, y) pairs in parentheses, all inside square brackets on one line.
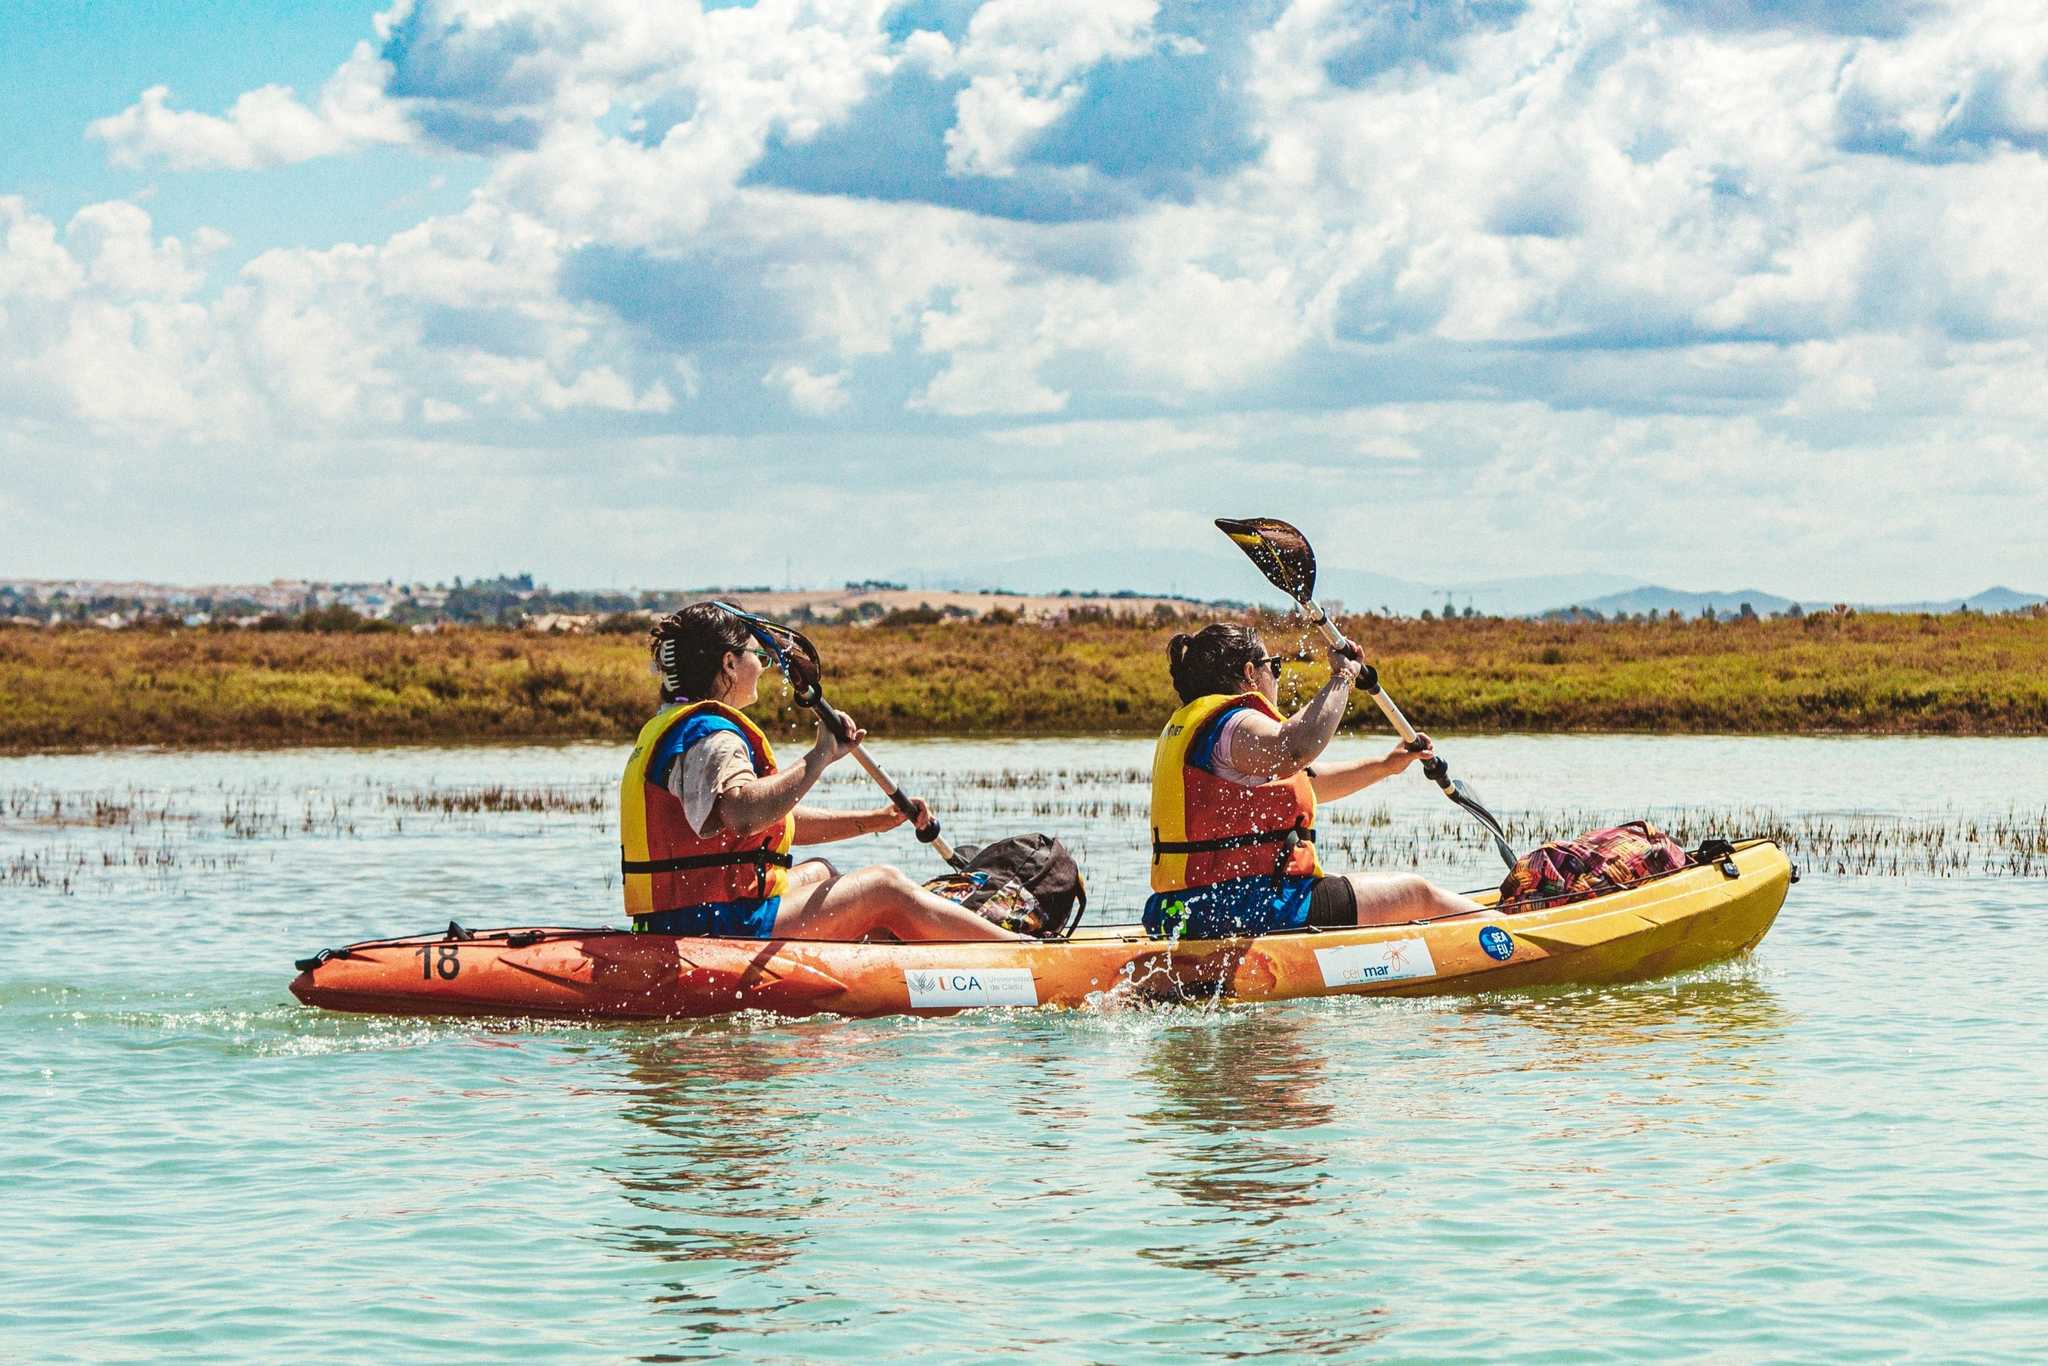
[(1689, 918)]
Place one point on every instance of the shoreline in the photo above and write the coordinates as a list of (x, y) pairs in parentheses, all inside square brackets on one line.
[(1960, 675)]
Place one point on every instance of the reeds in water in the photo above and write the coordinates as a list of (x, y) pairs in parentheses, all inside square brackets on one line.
[(471, 801), (66, 838), (73, 837), (1114, 805)]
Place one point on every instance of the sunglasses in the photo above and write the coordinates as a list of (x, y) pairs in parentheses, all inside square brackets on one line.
[(1272, 662), (767, 659)]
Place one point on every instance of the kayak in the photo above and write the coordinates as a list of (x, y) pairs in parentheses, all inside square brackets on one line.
[(1688, 918)]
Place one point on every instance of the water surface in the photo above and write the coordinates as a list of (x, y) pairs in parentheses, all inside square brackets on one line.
[(1829, 1150)]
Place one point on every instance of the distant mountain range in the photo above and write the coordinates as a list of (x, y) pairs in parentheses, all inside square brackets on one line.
[(1228, 578), (1658, 601)]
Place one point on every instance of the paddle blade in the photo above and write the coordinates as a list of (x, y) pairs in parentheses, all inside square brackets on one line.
[(1463, 794), (793, 651), (1281, 553), (800, 661)]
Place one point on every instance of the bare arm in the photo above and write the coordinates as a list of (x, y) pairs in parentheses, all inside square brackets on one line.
[(1263, 748), (761, 802), (818, 825), (1332, 781)]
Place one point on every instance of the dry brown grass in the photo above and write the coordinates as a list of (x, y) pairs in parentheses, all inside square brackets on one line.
[(1871, 674)]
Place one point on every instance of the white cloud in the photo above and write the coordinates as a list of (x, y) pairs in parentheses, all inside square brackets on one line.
[(1605, 237), (33, 264), (1022, 58), (268, 126), (121, 255), (530, 388), (979, 383), (1957, 89), (817, 395), (104, 330), (1577, 175)]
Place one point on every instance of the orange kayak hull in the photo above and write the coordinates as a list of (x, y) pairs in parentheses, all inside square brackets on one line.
[(1673, 923)]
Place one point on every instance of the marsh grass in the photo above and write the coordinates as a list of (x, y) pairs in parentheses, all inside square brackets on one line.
[(495, 798), (71, 840), (1955, 674), (1114, 805)]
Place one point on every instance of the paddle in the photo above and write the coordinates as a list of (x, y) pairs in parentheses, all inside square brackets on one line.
[(1284, 556), (799, 661)]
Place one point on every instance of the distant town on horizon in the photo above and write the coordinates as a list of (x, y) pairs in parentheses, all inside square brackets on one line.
[(518, 600)]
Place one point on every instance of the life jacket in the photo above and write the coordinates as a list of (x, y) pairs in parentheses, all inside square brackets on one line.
[(1206, 829), (667, 866)]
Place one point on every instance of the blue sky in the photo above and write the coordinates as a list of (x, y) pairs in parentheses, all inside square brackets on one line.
[(1711, 294)]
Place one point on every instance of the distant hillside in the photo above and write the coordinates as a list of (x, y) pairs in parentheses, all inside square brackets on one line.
[(1658, 601), (1990, 600), (1220, 576), (1223, 576)]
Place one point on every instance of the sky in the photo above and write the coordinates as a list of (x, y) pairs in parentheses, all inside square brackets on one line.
[(1703, 292)]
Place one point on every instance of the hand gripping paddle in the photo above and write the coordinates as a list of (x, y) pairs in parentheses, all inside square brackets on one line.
[(1284, 556), (799, 662)]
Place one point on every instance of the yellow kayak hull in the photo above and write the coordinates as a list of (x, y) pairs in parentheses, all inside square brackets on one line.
[(1679, 921)]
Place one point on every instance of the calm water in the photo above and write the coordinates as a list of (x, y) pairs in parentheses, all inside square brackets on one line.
[(1831, 1150)]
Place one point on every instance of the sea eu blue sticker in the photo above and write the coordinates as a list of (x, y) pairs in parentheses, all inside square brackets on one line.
[(1497, 942)]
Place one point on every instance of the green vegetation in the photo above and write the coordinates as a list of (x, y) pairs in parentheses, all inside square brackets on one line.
[(1960, 674)]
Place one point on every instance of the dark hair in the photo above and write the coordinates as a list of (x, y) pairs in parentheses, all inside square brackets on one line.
[(1212, 660), (689, 648)]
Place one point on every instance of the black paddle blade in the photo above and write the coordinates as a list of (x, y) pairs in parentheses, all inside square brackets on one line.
[(793, 650), (1281, 553), (806, 670), (1463, 794)]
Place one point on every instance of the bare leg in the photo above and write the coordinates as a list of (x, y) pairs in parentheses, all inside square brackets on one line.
[(853, 905), (807, 874), (1398, 898)]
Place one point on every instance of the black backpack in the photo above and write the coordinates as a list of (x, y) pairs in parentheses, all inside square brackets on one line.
[(1027, 883)]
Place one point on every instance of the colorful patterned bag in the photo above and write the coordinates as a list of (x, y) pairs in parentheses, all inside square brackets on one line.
[(1598, 861)]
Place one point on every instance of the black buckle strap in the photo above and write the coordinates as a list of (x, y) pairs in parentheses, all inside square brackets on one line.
[(1718, 851), (1287, 848), (1289, 840), (1299, 834), (762, 859)]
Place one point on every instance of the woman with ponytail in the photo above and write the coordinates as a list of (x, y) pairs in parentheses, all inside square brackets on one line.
[(707, 818), (1235, 786)]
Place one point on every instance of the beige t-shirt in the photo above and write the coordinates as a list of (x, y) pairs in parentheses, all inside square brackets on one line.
[(710, 768)]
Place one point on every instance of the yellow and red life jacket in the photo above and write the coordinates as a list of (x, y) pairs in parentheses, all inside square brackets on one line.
[(1206, 829), (668, 866)]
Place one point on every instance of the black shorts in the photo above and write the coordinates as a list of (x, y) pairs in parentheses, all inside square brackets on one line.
[(1333, 903)]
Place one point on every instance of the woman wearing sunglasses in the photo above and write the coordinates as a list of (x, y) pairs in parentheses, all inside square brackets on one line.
[(1235, 785), (707, 818)]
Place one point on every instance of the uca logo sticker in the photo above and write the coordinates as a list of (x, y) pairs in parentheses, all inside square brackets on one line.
[(1498, 943), (944, 987)]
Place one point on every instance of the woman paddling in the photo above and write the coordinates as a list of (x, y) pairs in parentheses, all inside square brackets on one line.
[(1234, 802), (707, 818)]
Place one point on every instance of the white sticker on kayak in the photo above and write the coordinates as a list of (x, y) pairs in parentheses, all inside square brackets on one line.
[(1385, 962), (970, 987)]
